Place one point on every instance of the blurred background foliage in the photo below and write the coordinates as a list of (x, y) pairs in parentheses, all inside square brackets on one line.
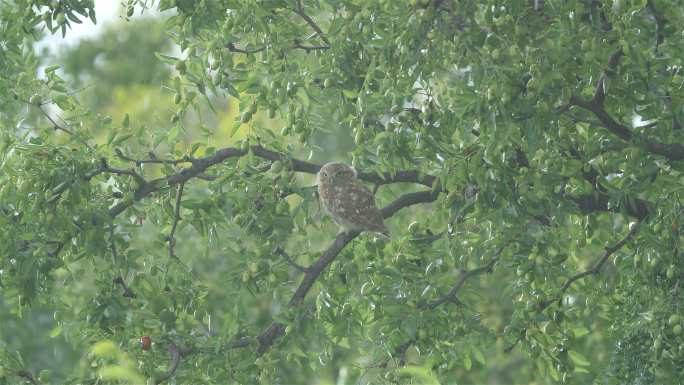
[(487, 96)]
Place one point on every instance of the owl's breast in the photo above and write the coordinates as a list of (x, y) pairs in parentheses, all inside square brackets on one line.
[(332, 198)]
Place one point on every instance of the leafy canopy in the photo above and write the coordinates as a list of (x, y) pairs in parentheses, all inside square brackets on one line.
[(528, 157)]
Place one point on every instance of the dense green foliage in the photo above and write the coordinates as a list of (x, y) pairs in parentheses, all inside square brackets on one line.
[(529, 156)]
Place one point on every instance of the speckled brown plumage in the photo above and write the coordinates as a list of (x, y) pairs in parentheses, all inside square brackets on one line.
[(348, 202)]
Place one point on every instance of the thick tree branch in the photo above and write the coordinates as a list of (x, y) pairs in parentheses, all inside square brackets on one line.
[(174, 361), (599, 199), (200, 165), (597, 107), (660, 22), (275, 330), (590, 203), (311, 273)]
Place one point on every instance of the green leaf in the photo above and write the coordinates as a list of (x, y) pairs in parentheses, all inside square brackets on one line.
[(422, 374), (235, 128), (50, 69), (166, 58), (578, 358), (120, 373), (56, 331), (479, 356), (105, 348), (467, 362)]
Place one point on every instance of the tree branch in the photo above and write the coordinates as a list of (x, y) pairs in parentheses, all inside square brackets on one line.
[(28, 377), (104, 167), (460, 280), (174, 361), (289, 260), (299, 10), (153, 159), (55, 125), (670, 151), (233, 48), (176, 218), (275, 330), (307, 48), (589, 203), (128, 293), (202, 164), (601, 261), (600, 92), (660, 22), (610, 250), (311, 274), (296, 43), (597, 107)]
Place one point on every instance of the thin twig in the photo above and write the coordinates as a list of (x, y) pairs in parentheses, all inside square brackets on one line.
[(296, 43), (128, 293), (233, 48), (104, 167), (460, 280), (610, 250), (289, 260), (58, 127), (176, 218), (55, 125), (28, 377), (307, 48), (152, 159), (299, 10), (601, 261)]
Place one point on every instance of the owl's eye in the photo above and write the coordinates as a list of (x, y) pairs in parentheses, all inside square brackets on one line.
[(325, 174)]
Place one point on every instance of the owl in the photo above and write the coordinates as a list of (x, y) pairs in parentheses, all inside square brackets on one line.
[(348, 202)]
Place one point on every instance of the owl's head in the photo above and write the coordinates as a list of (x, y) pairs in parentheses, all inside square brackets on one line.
[(331, 172)]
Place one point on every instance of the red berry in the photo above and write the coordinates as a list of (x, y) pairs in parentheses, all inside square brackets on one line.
[(145, 343)]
